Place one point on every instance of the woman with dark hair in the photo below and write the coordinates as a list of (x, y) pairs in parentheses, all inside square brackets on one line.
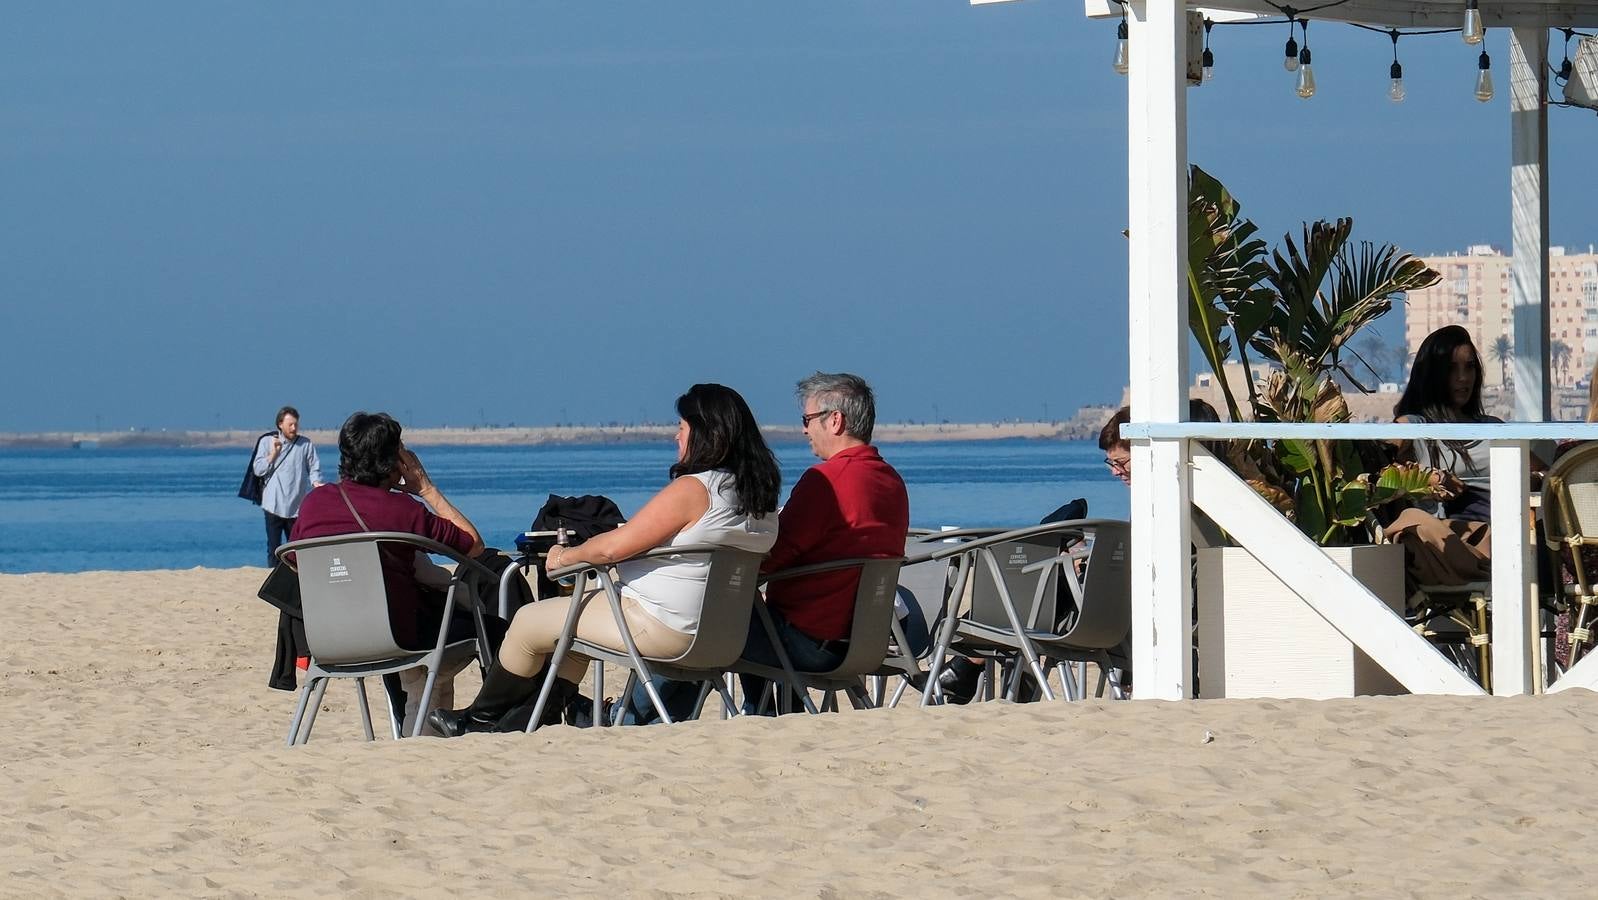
[(723, 492), (1445, 387)]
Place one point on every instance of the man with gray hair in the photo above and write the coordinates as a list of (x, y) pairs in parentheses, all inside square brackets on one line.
[(851, 504)]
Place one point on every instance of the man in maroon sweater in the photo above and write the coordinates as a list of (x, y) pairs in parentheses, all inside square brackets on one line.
[(851, 504)]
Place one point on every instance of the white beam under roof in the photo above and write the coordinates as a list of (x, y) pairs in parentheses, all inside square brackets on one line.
[(1395, 13)]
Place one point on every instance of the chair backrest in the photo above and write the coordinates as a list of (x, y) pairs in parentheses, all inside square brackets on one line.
[(1570, 495), (924, 588), (345, 602), (1103, 615), (730, 584), (1012, 556), (873, 618)]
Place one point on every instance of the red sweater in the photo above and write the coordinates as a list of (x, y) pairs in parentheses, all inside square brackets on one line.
[(324, 513), (850, 505)]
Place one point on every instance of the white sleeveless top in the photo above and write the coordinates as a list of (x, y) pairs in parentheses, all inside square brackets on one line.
[(672, 589)]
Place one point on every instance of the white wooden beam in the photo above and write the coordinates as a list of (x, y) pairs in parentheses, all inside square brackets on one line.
[(1584, 674), (1162, 592), (1339, 599), (1514, 624), (1528, 210)]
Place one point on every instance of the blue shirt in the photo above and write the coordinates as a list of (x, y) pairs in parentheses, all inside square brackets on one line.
[(294, 471)]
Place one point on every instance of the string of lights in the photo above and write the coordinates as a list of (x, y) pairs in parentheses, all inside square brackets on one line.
[(1296, 57)]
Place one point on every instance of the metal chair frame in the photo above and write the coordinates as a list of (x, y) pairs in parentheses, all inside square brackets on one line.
[(730, 588), (357, 638)]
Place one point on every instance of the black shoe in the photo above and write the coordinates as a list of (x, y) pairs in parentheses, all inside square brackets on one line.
[(554, 708), (958, 681), (502, 691)]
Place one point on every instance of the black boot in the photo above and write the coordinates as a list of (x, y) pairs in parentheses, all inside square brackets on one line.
[(959, 680), (554, 708), (502, 691)]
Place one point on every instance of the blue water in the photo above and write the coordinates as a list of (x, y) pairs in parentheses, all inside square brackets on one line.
[(83, 510)]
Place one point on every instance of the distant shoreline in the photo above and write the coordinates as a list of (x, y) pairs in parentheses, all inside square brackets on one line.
[(1084, 425)]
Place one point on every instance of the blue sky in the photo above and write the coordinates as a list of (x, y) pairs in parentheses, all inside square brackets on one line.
[(535, 212)]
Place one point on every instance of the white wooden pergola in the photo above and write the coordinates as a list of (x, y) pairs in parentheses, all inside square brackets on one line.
[(1174, 474)]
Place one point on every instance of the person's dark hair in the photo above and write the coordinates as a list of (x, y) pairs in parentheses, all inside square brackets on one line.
[(1110, 434), (1427, 392), (285, 411), (722, 434), (848, 394), (368, 448)]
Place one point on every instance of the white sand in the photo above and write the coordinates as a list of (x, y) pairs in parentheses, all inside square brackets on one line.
[(142, 756)]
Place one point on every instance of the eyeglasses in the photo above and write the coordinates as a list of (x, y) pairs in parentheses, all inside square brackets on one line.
[(1119, 465), (806, 418)]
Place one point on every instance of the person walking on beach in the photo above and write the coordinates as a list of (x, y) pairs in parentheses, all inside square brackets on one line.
[(286, 463)]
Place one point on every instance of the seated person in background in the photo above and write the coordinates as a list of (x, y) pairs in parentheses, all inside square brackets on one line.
[(723, 491), (379, 482), (852, 504), (1445, 386)]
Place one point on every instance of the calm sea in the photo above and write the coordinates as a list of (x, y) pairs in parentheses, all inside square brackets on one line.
[(83, 510)]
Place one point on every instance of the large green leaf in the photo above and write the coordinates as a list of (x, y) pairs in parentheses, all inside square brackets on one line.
[(1298, 456)]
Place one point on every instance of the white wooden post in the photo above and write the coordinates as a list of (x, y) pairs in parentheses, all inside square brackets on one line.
[(1528, 193), (1162, 593), (1514, 624)]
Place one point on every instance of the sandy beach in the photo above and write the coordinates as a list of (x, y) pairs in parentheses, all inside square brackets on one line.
[(144, 758)]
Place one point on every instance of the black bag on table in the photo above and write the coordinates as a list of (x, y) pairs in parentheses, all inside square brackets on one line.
[(582, 517)]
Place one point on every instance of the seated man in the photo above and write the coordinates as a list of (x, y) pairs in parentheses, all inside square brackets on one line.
[(379, 479), (851, 504)]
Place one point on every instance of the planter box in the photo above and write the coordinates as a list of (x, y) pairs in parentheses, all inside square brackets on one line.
[(1256, 638)]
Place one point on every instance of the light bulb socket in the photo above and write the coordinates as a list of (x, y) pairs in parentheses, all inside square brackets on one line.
[(1303, 57), (1209, 59), (1483, 62), (1292, 48), (1564, 69), (1395, 71), (1120, 31)]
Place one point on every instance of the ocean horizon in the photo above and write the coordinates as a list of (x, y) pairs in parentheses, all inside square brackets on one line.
[(130, 509)]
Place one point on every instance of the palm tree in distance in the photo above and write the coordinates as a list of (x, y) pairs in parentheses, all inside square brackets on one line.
[(1502, 352), (1559, 355)]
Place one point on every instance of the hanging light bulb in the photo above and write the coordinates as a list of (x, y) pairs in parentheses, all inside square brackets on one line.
[(1306, 75), (1484, 78), (1395, 90), (1290, 59), (1472, 31), (1209, 57), (1122, 57)]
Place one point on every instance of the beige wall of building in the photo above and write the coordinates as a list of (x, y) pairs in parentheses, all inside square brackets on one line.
[(1474, 292)]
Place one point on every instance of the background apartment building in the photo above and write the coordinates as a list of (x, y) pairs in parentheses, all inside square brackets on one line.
[(1474, 292)]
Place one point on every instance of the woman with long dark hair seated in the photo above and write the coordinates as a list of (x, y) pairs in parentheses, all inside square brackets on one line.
[(723, 492), (1445, 387)]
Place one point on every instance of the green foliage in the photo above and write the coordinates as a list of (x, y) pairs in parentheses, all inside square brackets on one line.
[(1298, 307)]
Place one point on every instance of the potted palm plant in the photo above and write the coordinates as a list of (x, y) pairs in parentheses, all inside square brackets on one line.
[(1298, 309)]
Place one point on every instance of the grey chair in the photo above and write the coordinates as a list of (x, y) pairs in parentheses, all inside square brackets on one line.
[(730, 584), (923, 584), (347, 628), (1017, 610), (868, 636)]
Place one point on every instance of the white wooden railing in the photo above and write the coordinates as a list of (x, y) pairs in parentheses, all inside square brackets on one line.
[(1336, 596)]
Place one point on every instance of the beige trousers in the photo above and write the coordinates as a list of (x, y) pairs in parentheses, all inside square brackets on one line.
[(536, 630), (1443, 551)]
